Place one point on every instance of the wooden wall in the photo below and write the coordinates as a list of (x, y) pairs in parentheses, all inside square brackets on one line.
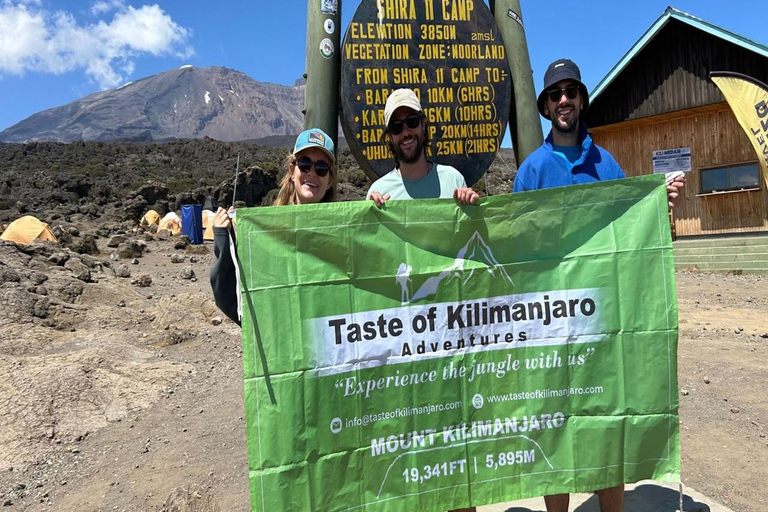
[(671, 74), (715, 138)]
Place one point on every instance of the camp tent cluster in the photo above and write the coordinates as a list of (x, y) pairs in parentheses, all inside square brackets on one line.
[(27, 229), (173, 223)]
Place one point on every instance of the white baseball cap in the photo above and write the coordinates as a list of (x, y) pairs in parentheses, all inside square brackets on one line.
[(400, 98)]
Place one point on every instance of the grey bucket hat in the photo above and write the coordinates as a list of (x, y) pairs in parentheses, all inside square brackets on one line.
[(561, 69)]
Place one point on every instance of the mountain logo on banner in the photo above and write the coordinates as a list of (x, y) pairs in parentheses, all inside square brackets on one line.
[(475, 250)]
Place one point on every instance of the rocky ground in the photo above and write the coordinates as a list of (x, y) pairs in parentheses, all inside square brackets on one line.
[(723, 377), (118, 393)]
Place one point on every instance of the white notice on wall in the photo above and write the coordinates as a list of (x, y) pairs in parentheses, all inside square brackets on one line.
[(670, 160)]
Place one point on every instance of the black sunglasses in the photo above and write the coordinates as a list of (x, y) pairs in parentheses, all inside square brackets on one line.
[(571, 92), (396, 127), (305, 163)]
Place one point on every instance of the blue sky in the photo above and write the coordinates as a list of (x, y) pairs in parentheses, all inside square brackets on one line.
[(52, 53)]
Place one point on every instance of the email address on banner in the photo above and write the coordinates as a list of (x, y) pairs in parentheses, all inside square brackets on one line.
[(544, 393), (400, 412)]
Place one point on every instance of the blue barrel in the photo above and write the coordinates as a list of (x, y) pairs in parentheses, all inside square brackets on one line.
[(192, 222)]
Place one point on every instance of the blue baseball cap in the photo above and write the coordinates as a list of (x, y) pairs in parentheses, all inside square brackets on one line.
[(315, 138)]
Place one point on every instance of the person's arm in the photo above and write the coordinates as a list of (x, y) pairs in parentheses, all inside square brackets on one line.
[(223, 279), (519, 184), (375, 195), (617, 171)]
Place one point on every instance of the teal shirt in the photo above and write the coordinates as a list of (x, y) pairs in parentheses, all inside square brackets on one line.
[(570, 153), (439, 182)]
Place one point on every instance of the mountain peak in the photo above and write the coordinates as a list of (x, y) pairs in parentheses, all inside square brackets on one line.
[(182, 103)]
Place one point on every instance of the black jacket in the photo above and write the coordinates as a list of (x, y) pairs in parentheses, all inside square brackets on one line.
[(223, 279)]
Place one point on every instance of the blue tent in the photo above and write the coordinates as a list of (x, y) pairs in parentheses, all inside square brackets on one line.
[(192, 222)]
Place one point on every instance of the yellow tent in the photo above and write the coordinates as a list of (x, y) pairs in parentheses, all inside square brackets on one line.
[(149, 218), (208, 224), (171, 222), (26, 230)]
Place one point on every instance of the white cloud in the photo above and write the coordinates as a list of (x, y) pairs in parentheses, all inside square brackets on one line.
[(102, 6), (33, 39)]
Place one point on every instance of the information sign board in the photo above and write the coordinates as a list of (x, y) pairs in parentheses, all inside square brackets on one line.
[(450, 52)]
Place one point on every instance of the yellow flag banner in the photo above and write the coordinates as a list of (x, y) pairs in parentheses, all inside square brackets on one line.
[(748, 99)]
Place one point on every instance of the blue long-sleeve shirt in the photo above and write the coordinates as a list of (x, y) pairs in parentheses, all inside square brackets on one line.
[(546, 168)]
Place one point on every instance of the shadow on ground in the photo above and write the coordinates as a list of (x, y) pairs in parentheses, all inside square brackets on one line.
[(643, 498)]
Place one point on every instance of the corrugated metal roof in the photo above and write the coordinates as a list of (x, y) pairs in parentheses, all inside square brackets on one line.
[(669, 14)]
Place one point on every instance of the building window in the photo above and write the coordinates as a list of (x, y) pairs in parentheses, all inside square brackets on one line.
[(732, 177)]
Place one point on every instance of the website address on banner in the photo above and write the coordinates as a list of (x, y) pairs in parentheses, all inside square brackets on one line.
[(544, 393), (400, 412)]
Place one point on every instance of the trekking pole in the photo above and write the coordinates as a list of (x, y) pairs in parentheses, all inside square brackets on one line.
[(237, 171)]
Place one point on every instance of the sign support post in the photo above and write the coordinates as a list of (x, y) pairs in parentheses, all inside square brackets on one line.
[(321, 96), (524, 121)]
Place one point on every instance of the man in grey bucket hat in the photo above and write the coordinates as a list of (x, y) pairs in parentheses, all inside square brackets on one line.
[(562, 69), (568, 157)]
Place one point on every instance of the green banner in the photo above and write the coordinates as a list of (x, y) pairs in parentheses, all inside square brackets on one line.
[(429, 356)]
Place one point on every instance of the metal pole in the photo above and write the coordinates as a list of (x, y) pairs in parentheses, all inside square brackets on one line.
[(524, 120), (237, 171), (321, 96)]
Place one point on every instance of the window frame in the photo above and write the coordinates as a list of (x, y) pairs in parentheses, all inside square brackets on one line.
[(728, 167)]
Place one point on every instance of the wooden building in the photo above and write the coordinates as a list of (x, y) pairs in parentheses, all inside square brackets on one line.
[(660, 97)]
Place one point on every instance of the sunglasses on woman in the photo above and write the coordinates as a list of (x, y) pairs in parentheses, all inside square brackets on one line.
[(571, 92), (305, 163), (396, 127)]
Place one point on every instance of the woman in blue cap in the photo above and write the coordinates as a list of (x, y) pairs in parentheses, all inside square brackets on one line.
[(309, 172), (309, 177)]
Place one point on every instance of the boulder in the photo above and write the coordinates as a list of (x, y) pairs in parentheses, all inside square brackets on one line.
[(85, 245), (116, 240), (58, 258), (143, 281), (78, 269), (181, 242), (131, 249)]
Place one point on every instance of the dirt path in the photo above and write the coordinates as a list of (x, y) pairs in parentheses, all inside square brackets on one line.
[(137, 402), (723, 377)]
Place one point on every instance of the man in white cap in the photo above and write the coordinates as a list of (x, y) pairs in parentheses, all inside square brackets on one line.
[(414, 177)]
